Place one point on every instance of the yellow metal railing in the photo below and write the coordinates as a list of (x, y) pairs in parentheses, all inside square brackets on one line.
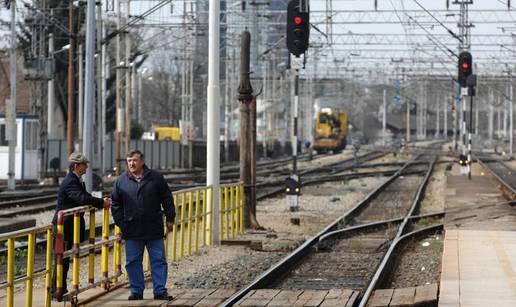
[(192, 229), (30, 275), (75, 252)]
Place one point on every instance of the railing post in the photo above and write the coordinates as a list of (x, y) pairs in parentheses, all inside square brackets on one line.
[(76, 243), (48, 267), (196, 225), (10, 272), (91, 256), (204, 216), (182, 225), (174, 231), (189, 234), (30, 269), (59, 249), (105, 247)]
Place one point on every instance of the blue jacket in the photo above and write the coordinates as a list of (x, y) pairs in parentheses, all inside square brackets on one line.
[(138, 207), (72, 193)]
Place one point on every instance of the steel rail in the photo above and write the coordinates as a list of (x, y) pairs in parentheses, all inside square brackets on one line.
[(381, 268), (341, 232), (505, 185), (268, 276)]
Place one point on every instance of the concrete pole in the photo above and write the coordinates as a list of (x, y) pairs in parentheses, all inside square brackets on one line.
[(118, 100), (105, 70), (100, 89), (445, 114), (140, 91), (213, 110), (89, 105), (499, 121), (226, 110), (438, 119), (51, 131), (511, 128), (10, 111), (127, 83), (408, 121), (384, 118), (490, 122), (505, 107), (71, 83), (476, 119), (80, 97)]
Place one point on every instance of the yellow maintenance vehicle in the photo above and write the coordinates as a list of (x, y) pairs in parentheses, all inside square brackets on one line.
[(331, 130), (167, 134)]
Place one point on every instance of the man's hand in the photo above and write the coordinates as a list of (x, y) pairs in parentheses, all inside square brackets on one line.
[(107, 203), (170, 226)]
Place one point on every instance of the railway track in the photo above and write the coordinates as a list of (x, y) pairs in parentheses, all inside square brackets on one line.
[(504, 174), (18, 205), (346, 253)]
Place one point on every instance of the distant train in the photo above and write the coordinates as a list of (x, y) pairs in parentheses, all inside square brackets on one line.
[(331, 130)]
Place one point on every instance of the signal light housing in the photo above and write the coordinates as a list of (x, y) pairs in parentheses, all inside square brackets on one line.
[(298, 28), (465, 67)]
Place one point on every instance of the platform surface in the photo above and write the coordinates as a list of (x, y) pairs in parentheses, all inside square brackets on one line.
[(479, 258), (479, 268)]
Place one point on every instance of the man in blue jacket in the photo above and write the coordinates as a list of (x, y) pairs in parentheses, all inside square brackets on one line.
[(72, 193), (140, 197)]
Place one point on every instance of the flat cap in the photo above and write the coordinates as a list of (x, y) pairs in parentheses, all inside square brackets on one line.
[(78, 157)]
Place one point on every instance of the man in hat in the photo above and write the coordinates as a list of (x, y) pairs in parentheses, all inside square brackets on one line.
[(72, 193)]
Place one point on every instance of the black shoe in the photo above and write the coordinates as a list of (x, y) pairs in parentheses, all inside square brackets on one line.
[(163, 296), (135, 297)]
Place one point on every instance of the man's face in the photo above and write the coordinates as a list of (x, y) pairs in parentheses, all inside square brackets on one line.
[(81, 168), (135, 163)]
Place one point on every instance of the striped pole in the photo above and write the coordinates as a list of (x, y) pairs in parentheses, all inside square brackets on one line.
[(76, 243), (91, 255), (59, 249)]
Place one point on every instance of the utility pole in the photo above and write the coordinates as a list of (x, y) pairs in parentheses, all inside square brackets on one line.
[(80, 101), (384, 118), (438, 119), (89, 101), (51, 119), (71, 83), (100, 90), (511, 128), (10, 111), (213, 111), (245, 97), (127, 82), (118, 101), (445, 115)]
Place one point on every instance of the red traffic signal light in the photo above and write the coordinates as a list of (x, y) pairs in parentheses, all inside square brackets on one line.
[(298, 27), (465, 67)]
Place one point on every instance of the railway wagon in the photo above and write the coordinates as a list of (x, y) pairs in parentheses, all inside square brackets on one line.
[(331, 130)]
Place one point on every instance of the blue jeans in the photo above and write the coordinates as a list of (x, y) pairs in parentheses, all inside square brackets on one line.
[(134, 257)]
